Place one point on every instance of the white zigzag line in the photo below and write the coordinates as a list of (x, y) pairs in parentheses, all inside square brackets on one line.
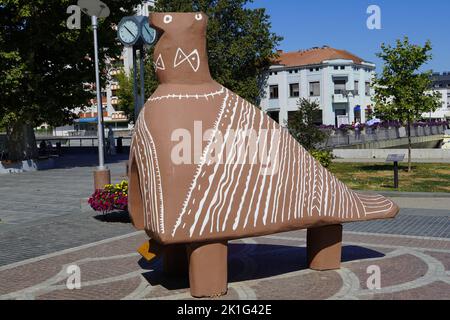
[(200, 166), (188, 96)]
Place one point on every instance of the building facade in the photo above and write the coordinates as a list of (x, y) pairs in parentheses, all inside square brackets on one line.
[(340, 82), (441, 84)]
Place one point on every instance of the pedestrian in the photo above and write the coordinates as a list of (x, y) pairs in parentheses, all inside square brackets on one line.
[(357, 130), (111, 142)]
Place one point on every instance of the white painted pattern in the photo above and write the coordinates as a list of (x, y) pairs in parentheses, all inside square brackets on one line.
[(188, 96), (167, 19), (192, 58), (200, 166), (299, 188), (144, 153), (302, 186), (159, 64)]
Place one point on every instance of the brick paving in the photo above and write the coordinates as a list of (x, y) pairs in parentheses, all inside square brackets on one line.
[(45, 228), (259, 268)]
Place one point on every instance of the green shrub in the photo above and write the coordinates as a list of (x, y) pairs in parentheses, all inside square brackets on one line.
[(323, 156)]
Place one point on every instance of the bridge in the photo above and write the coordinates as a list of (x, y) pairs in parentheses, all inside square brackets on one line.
[(428, 137)]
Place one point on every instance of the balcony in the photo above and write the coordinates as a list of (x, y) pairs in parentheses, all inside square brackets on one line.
[(340, 98)]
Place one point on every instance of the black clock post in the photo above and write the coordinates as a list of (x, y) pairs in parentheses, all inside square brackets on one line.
[(135, 32)]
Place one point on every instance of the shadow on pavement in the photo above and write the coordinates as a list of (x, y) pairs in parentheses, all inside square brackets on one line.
[(86, 157), (254, 261), (114, 217)]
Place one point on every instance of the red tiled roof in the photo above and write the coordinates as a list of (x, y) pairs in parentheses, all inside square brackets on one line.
[(314, 56)]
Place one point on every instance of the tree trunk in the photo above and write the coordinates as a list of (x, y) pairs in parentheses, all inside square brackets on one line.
[(409, 146), (21, 142)]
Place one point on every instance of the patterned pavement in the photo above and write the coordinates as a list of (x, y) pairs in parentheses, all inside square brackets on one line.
[(270, 267), (44, 228)]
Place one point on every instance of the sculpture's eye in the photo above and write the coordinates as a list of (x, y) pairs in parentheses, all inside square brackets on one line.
[(198, 17), (167, 19)]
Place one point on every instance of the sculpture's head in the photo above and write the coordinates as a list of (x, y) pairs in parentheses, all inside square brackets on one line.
[(180, 54)]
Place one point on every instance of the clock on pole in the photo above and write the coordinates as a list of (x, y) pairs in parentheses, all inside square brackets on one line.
[(135, 32)]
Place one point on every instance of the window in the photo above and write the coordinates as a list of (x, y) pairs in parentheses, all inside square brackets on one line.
[(339, 86), (291, 115), (294, 90), (311, 70), (274, 115), (356, 88), (273, 92), (314, 89), (317, 69), (317, 117), (342, 67), (336, 68), (368, 89)]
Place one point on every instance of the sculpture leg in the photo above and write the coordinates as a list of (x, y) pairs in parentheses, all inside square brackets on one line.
[(208, 269), (175, 261), (324, 247)]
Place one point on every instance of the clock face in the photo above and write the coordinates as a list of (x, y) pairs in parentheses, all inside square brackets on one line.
[(148, 33), (128, 31)]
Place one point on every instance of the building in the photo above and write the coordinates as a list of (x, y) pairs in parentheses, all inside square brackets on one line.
[(441, 84), (339, 81)]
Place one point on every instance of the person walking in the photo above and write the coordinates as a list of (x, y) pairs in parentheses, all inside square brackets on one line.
[(111, 142)]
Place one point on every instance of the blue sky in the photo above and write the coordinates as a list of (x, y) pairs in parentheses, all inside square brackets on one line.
[(342, 24)]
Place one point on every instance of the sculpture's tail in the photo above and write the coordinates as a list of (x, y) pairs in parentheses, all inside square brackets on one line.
[(267, 183)]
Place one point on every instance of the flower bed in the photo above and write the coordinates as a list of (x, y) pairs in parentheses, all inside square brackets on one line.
[(110, 198)]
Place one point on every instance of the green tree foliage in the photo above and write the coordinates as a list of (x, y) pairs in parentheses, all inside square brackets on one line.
[(240, 44), (125, 94), (401, 91), (301, 125), (43, 65)]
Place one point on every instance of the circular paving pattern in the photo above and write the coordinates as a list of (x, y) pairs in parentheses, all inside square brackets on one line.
[(271, 267)]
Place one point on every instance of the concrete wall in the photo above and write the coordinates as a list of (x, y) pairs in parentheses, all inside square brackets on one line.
[(381, 154)]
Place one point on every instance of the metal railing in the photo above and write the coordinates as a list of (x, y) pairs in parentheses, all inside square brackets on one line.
[(342, 138), (80, 141)]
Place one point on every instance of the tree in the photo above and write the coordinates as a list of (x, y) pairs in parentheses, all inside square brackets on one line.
[(44, 65), (126, 83), (402, 92), (125, 94), (301, 125)]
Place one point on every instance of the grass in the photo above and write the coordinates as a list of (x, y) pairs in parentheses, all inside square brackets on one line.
[(425, 177)]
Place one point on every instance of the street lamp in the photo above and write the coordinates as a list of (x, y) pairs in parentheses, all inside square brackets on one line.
[(97, 9)]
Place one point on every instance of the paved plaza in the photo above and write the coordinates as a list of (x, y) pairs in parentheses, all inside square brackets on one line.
[(45, 227)]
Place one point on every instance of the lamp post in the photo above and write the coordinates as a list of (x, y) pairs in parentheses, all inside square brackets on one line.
[(97, 9)]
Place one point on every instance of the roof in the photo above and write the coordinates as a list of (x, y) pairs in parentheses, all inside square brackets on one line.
[(315, 56)]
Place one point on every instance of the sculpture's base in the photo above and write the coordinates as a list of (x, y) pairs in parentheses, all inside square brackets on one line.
[(208, 269), (324, 247), (175, 260), (101, 177)]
